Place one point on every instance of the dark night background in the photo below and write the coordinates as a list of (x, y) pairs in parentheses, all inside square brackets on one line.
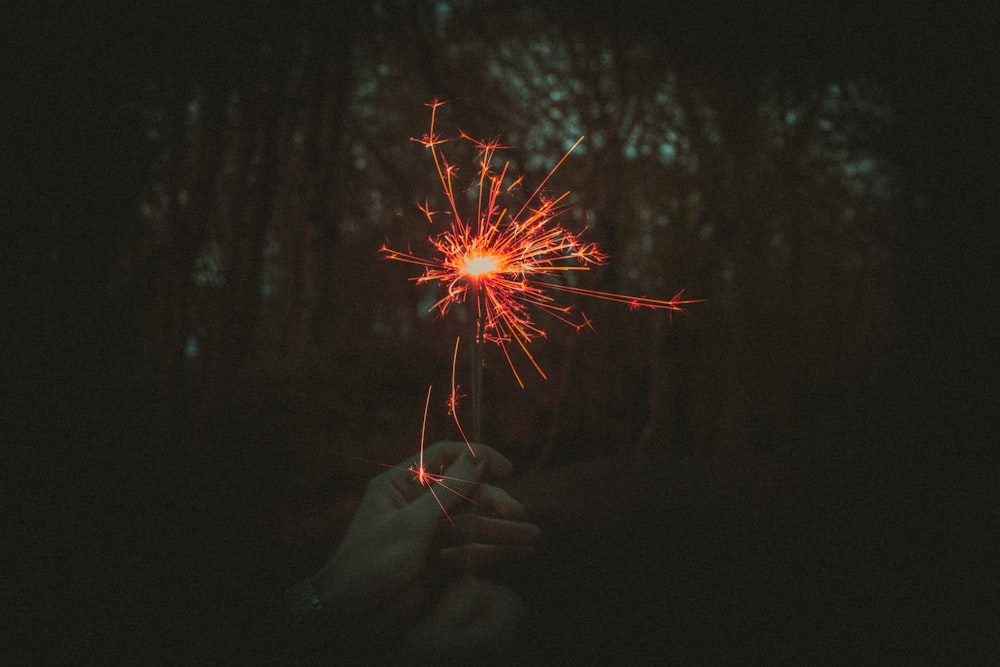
[(203, 353)]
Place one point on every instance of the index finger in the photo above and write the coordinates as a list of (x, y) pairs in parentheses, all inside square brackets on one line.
[(488, 462)]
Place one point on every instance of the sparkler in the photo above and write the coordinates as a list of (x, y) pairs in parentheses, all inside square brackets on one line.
[(508, 260)]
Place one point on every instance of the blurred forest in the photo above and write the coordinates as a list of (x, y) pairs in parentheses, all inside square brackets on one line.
[(203, 189)]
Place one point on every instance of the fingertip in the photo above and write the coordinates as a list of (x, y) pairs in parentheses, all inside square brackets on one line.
[(500, 503), (505, 465), (533, 532), (495, 463)]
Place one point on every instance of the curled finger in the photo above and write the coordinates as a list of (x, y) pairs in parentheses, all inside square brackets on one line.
[(476, 557), (490, 530), (494, 500)]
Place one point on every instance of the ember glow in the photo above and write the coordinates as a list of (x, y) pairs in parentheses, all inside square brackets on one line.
[(508, 255), (478, 266)]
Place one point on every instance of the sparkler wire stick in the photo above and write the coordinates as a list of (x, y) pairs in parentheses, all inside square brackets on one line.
[(477, 368)]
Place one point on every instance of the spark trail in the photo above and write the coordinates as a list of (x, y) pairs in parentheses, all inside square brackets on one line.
[(429, 479)]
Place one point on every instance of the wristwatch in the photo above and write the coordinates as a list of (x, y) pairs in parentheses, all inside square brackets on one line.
[(298, 604)]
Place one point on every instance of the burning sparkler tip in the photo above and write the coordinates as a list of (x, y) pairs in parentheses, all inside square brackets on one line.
[(510, 258)]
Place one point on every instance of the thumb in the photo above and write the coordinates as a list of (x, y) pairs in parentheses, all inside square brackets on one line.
[(448, 490)]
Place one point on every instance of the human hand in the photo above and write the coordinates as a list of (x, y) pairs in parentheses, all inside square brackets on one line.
[(380, 564)]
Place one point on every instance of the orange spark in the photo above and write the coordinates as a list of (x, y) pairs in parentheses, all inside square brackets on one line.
[(429, 479), (511, 263)]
